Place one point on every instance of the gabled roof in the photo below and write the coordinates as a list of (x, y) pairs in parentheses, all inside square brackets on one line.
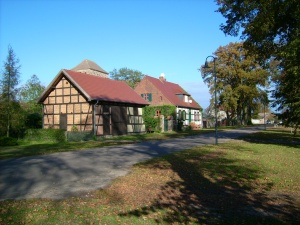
[(97, 88), (171, 92), (88, 64)]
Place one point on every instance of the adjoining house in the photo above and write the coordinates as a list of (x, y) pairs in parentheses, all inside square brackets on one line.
[(85, 99), (158, 92)]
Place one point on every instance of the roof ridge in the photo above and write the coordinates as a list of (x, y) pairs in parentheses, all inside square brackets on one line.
[(88, 64)]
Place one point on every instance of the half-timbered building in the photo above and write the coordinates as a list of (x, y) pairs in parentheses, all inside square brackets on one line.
[(85, 99)]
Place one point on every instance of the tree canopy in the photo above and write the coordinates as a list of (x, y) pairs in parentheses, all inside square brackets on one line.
[(28, 95), (239, 82), (271, 29), (130, 76), (30, 92)]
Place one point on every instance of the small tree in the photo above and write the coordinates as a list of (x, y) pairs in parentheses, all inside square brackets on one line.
[(9, 82)]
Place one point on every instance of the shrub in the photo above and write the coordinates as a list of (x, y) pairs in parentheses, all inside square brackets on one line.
[(80, 136), (8, 141), (179, 125), (34, 121), (151, 122), (54, 135)]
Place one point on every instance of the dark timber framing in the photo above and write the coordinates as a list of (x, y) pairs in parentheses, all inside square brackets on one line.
[(65, 106)]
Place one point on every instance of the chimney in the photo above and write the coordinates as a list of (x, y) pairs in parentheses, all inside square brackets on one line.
[(162, 77)]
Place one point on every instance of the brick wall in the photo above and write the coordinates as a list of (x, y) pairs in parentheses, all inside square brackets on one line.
[(145, 87)]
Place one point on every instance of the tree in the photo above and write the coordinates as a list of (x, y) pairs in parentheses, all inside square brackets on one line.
[(28, 96), (131, 77), (239, 81), (9, 82), (271, 29)]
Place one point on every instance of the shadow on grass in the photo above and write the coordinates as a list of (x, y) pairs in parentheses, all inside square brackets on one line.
[(276, 137), (213, 189)]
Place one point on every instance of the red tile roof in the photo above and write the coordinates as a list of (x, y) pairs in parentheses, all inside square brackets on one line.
[(98, 88), (103, 89), (170, 91)]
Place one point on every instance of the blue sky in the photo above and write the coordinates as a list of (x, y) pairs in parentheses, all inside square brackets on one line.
[(173, 37)]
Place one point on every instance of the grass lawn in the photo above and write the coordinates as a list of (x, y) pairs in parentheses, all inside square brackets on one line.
[(249, 181)]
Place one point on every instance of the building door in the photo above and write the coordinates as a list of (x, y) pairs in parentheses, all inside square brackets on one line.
[(106, 120), (190, 116), (119, 120), (63, 121)]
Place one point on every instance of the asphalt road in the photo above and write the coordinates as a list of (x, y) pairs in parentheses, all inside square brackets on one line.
[(76, 173)]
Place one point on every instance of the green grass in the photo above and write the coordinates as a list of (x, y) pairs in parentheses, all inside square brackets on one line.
[(246, 181), (283, 136)]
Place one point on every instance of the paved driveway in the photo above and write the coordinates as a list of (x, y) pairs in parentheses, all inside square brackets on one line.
[(67, 174)]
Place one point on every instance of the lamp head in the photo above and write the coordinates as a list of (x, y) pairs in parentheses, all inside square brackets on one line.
[(205, 65)]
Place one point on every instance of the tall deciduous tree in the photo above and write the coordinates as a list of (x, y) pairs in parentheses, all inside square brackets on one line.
[(28, 95), (239, 81), (9, 82), (271, 28), (130, 76), (30, 92)]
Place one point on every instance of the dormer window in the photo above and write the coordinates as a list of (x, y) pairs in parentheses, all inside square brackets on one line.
[(184, 97)]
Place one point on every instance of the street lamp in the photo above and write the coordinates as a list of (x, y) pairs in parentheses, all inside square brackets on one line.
[(215, 78)]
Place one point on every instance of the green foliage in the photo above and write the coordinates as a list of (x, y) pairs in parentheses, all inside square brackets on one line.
[(29, 94), (31, 91), (131, 77), (75, 136), (8, 141), (34, 120), (166, 110), (16, 118), (151, 122), (54, 135), (149, 112), (10, 76), (271, 31), (239, 79), (74, 128), (8, 87)]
